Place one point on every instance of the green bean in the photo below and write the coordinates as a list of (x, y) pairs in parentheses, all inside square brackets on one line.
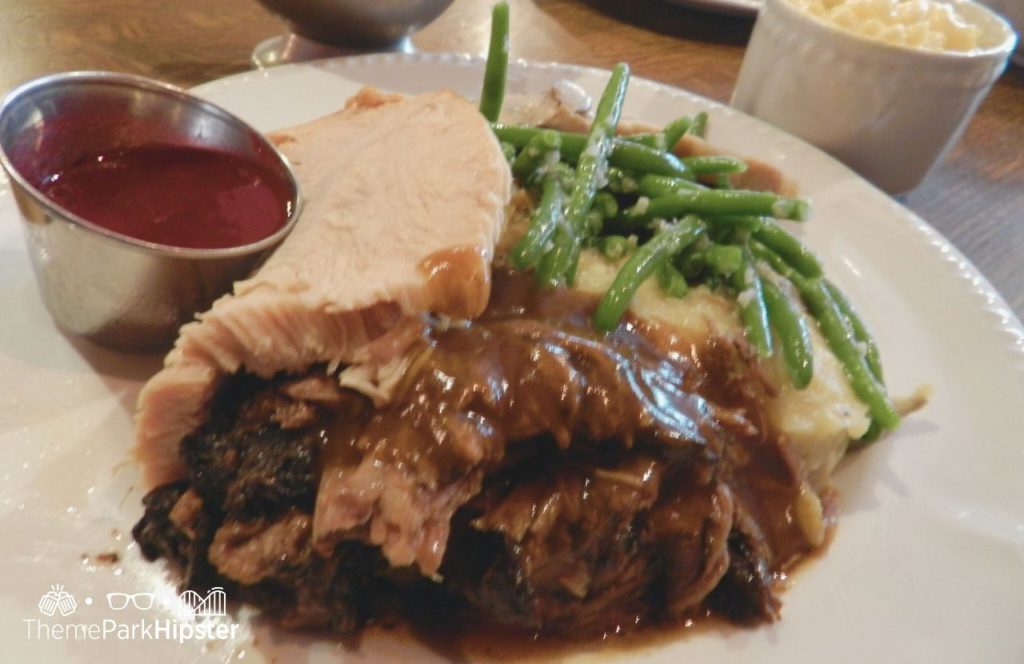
[(860, 331), (792, 333), (674, 131), (606, 205), (796, 254), (654, 186), (776, 262), (839, 336), (520, 135), (708, 164), (509, 151), (543, 275), (621, 182), (566, 174), (652, 140), (753, 310), (748, 223), (590, 169), (836, 330), (690, 262), (873, 433), (537, 151), (724, 259), (667, 242), (642, 159), (672, 281), (543, 222), (557, 267), (711, 202), (613, 247), (629, 156), (496, 70), (699, 126)]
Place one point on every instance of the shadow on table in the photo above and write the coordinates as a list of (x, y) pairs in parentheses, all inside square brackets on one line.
[(676, 21)]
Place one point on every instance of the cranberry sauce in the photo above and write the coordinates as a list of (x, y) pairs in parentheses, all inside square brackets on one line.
[(179, 196)]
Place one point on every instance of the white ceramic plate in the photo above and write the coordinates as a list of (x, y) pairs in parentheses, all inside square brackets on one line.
[(927, 564), (732, 7)]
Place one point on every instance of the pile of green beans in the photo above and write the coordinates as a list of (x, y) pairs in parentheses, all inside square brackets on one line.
[(677, 219)]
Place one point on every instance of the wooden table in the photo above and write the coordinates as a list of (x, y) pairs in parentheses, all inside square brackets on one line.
[(976, 198)]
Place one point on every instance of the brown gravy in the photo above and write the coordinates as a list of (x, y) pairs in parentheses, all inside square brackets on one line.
[(674, 499), (619, 380)]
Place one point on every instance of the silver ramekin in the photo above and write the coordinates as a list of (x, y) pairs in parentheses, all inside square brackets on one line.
[(356, 23), (110, 288)]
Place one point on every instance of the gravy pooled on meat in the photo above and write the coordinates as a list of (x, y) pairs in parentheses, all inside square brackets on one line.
[(549, 476)]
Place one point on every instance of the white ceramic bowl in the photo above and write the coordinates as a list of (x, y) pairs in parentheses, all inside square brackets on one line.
[(1012, 11), (889, 112)]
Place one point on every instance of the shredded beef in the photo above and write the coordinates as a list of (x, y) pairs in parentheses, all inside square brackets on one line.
[(530, 468), (157, 535), (251, 461), (566, 548), (745, 593), (242, 520), (250, 552)]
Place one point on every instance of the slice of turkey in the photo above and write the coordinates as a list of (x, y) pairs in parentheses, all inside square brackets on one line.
[(403, 202)]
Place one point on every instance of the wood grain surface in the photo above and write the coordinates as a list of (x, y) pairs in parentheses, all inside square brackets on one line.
[(976, 198)]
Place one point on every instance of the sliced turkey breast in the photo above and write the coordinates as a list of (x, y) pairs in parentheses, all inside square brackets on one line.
[(403, 203)]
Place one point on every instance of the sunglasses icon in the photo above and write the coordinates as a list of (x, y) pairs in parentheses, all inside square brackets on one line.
[(120, 601)]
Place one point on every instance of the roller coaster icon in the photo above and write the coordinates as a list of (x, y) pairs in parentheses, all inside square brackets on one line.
[(192, 604)]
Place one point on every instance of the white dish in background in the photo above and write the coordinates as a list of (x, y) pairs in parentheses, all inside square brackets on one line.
[(891, 112), (730, 7), (927, 564), (1012, 11)]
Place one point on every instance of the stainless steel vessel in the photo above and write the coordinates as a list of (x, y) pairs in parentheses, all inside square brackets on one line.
[(357, 23), (111, 288)]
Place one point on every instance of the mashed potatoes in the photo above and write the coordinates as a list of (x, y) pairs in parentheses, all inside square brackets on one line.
[(818, 421), (925, 24)]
